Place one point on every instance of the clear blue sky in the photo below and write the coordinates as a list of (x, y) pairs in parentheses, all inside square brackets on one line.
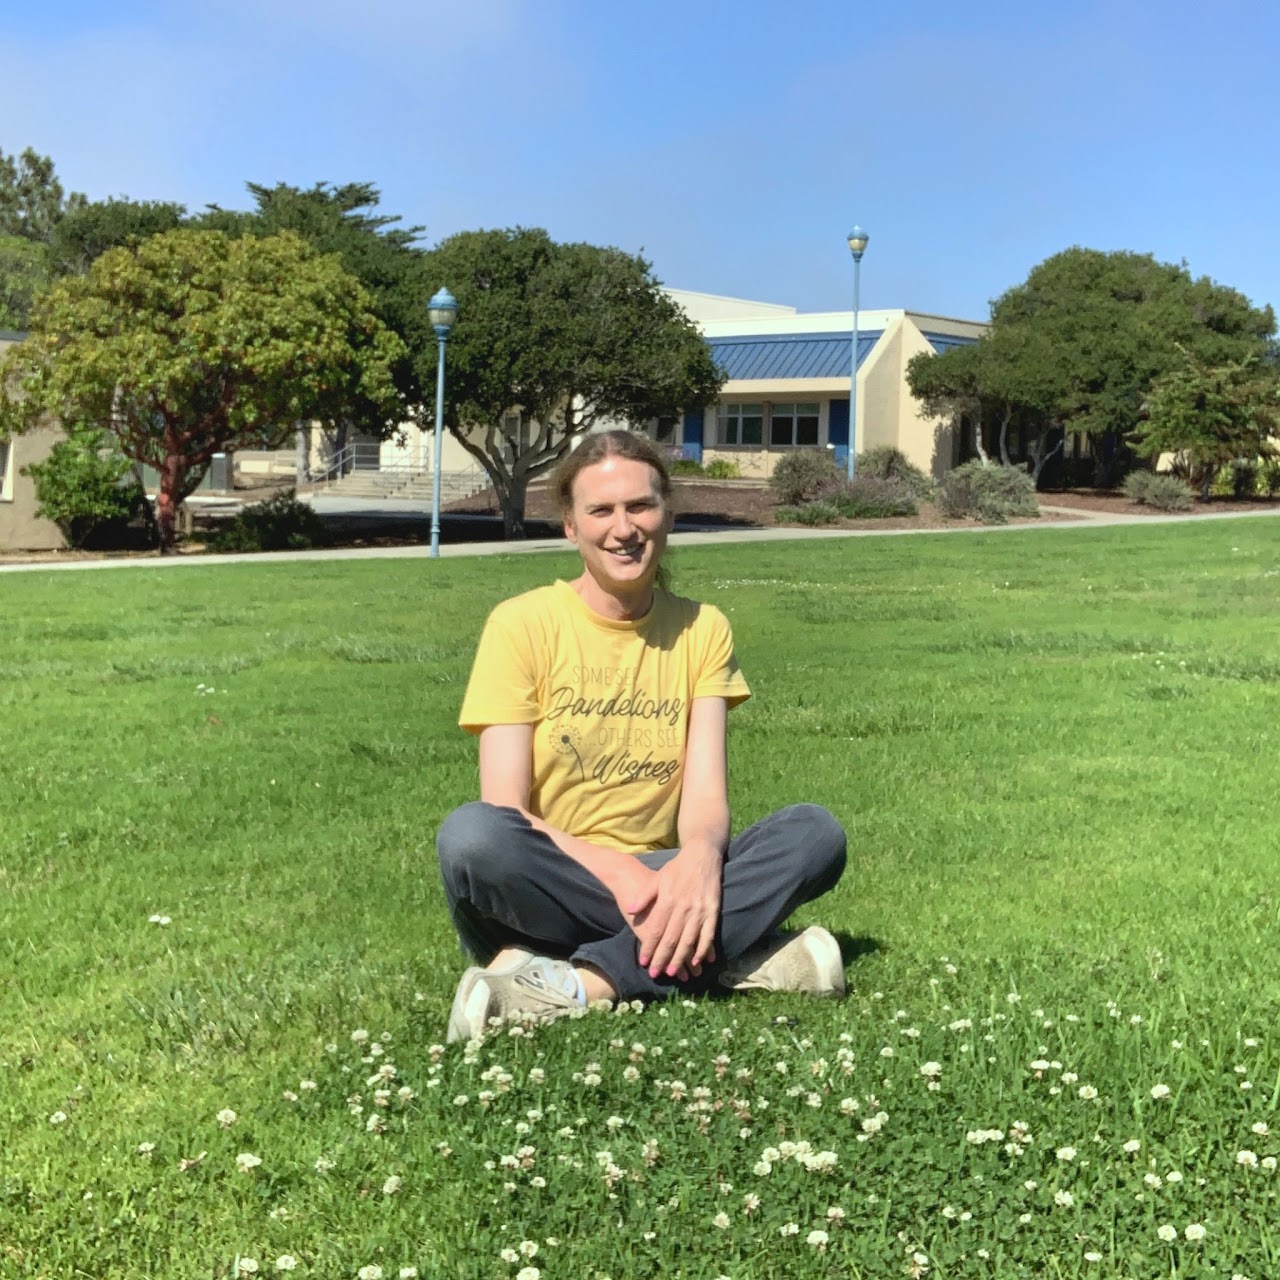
[(732, 141)]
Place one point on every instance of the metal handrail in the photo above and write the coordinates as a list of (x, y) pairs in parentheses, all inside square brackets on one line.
[(388, 477)]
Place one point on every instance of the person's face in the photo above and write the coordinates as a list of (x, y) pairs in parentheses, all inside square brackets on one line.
[(619, 523)]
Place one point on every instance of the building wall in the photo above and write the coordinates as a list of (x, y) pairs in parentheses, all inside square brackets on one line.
[(20, 528)]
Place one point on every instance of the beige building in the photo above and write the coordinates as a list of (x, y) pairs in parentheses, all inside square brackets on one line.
[(788, 384), (20, 528)]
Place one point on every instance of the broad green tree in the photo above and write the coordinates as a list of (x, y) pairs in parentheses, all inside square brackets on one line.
[(90, 229), (1208, 416), (24, 271), (190, 344), (373, 247), (567, 336), (1078, 345)]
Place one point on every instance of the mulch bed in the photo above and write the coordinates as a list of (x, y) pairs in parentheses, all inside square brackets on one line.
[(1113, 503)]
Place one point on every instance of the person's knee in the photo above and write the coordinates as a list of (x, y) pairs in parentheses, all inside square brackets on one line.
[(473, 835), (821, 843)]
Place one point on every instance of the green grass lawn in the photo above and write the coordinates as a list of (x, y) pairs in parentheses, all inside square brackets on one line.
[(1054, 751)]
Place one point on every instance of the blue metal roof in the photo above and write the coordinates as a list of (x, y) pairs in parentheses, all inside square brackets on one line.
[(941, 342), (790, 355)]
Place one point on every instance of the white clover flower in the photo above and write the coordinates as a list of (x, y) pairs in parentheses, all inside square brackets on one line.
[(1132, 1146), (1173, 1176), (286, 1262), (160, 920), (721, 1220), (1260, 1128), (408, 1273), (1066, 1153), (246, 1160), (931, 1069), (1087, 1092), (1093, 1256), (1247, 1158), (509, 1255), (1167, 1233), (323, 1165), (359, 1036), (1063, 1199), (1268, 1163), (1153, 1180), (750, 1202), (887, 1051), (392, 1185), (145, 1148), (528, 1248), (789, 1229), (1195, 1232), (226, 1118), (247, 1266), (528, 1273), (1160, 1091), (372, 1271), (835, 1213), (818, 1239)]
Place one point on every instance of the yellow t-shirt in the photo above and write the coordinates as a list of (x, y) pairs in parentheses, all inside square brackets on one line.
[(609, 702)]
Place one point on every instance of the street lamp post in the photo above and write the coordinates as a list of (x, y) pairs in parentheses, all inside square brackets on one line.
[(857, 244), (442, 311)]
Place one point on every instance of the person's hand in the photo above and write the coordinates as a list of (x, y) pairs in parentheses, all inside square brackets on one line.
[(675, 922)]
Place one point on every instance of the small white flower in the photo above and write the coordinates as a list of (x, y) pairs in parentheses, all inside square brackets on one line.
[(372, 1271), (1195, 1232), (818, 1239), (1087, 1092), (1173, 1176), (1066, 1153), (359, 1037), (509, 1255), (1160, 1091), (931, 1069), (1093, 1257), (247, 1266), (145, 1148), (789, 1229), (1260, 1128), (226, 1118), (1063, 1199), (160, 920), (528, 1248), (246, 1160), (1167, 1233), (286, 1262), (721, 1220), (1268, 1163), (528, 1273), (408, 1273), (392, 1185), (1247, 1158), (323, 1165), (1132, 1146)]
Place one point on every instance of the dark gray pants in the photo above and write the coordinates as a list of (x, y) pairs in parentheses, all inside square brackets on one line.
[(509, 885)]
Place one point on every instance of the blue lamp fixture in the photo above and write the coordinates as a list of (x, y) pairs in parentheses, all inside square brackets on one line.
[(442, 311), (857, 246)]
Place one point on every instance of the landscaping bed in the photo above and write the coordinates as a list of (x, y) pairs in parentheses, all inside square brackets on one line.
[(1112, 502)]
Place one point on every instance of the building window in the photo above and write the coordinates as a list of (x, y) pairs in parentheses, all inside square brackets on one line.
[(666, 430), (793, 424), (740, 424)]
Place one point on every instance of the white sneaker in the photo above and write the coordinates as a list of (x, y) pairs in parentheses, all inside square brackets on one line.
[(808, 963), (528, 986)]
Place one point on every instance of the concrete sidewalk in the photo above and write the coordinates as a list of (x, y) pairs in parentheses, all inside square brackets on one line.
[(691, 538)]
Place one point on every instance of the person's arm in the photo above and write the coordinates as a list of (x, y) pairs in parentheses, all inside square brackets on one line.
[(506, 775), (678, 918)]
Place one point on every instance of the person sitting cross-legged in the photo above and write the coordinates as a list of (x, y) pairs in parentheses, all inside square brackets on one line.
[(598, 863)]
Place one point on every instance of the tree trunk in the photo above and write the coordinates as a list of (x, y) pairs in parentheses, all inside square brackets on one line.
[(1039, 457), (1004, 438), (513, 498), (167, 499), (977, 443)]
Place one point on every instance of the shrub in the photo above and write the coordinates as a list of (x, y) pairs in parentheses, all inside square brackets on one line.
[(992, 493), (1269, 477), (884, 462), (85, 483), (685, 467), (811, 513), (1168, 493), (871, 498), (1137, 485), (1244, 478), (722, 469), (280, 523), (801, 475)]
